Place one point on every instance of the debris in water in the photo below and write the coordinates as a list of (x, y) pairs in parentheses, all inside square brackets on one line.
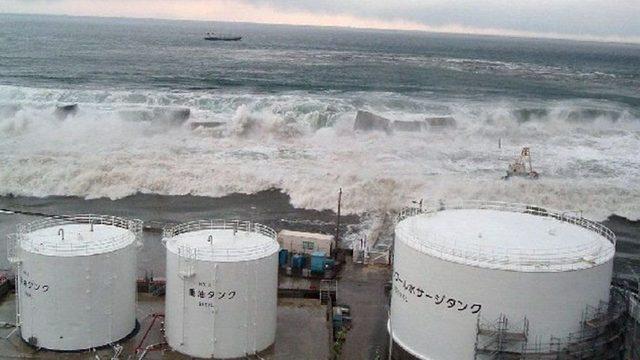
[(519, 166)]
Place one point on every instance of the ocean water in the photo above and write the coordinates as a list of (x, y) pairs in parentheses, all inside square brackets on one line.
[(286, 98)]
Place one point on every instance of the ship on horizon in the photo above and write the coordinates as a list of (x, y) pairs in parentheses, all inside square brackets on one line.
[(212, 36)]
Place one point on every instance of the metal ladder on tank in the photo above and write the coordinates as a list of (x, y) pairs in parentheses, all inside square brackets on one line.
[(251, 309), (186, 262), (186, 269), (13, 255)]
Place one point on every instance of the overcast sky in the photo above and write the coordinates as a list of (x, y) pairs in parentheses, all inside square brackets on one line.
[(608, 20)]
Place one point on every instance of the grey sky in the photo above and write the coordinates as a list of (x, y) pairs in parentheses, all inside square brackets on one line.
[(617, 20), (589, 17)]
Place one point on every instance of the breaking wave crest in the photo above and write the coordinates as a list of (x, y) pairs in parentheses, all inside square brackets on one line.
[(119, 143)]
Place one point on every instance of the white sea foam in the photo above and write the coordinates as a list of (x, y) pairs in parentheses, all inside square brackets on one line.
[(304, 144)]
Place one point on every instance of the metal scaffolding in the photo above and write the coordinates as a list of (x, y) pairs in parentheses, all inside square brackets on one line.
[(633, 327), (500, 340), (601, 336)]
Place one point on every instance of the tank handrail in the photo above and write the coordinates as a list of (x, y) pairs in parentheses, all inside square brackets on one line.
[(512, 207), (218, 224), (26, 240), (221, 224), (134, 225), (556, 259), (227, 254), (561, 259)]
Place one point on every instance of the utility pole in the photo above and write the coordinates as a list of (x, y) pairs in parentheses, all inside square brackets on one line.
[(338, 220)]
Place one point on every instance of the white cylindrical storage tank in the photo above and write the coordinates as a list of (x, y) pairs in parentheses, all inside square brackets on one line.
[(478, 278), (76, 280), (222, 283)]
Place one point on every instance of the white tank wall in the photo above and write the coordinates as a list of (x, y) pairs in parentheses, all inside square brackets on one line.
[(552, 302), (227, 327), (78, 302)]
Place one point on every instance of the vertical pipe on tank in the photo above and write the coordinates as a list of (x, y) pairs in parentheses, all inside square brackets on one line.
[(87, 307), (212, 336), (110, 311), (255, 306), (19, 291), (184, 295), (246, 316), (214, 309)]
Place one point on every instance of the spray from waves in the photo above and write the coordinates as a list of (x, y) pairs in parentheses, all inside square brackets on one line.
[(304, 144)]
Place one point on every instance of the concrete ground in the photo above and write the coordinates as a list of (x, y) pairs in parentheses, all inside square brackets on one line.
[(303, 330), (362, 288), (302, 333)]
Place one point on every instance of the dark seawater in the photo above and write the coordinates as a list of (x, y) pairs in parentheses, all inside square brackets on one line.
[(285, 98), (152, 54)]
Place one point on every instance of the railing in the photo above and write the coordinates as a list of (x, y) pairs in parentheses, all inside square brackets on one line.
[(24, 238), (594, 340), (600, 333), (221, 224), (559, 258), (634, 307)]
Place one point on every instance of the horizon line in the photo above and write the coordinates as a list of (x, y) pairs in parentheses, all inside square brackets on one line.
[(514, 34)]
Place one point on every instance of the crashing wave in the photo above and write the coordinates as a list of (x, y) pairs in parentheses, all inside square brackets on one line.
[(304, 143)]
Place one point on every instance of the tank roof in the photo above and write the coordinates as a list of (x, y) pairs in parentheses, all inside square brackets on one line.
[(508, 237), (221, 241), (79, 235)]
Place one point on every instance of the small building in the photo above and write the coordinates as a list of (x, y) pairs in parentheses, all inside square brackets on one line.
[(300, 242)]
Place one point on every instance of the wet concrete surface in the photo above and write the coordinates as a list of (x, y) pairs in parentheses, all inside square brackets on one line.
[(362, 288), (302, 327), (303, 330), (302, 333)]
